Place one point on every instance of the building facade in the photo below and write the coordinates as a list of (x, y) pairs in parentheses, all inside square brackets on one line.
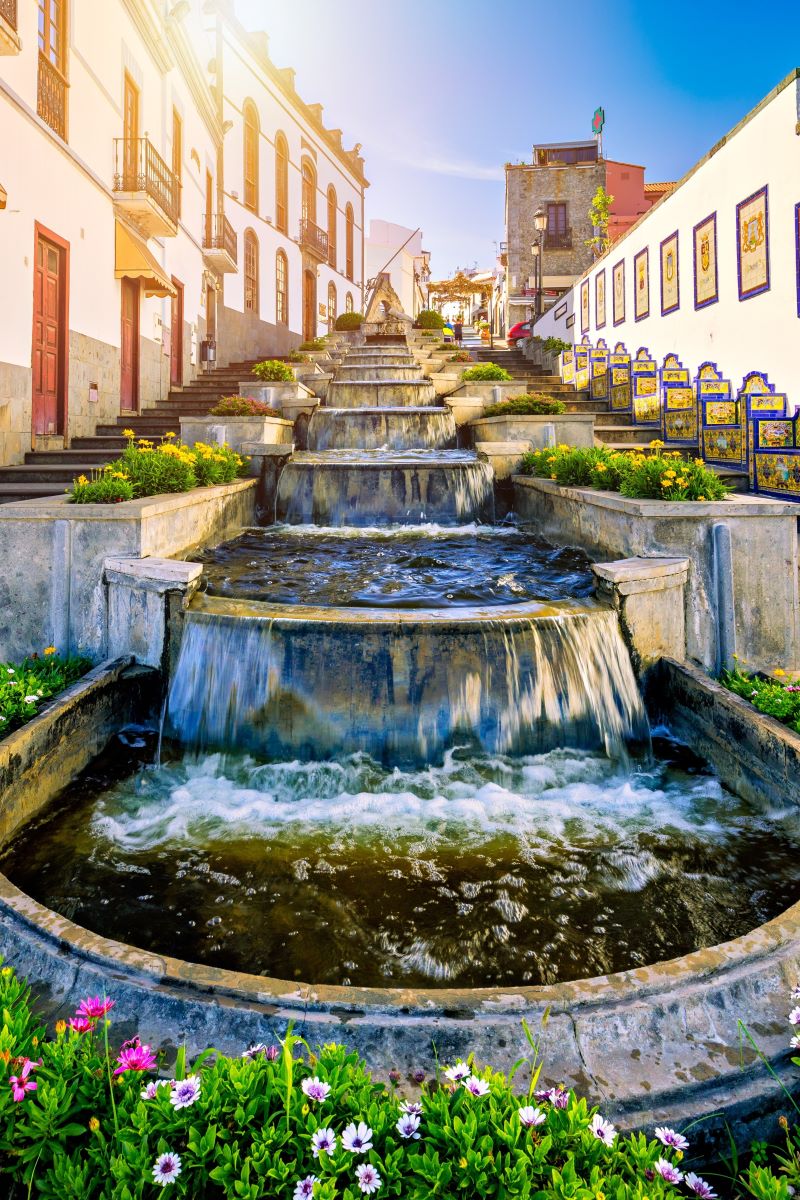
[(126, 241), (398, 251)]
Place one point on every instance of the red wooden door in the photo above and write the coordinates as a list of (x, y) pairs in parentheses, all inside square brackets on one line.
[(309, 306), (48, 338), (129, 354), (176, 337)]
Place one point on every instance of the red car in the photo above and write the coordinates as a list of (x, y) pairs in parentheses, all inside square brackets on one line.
[(522, 329)]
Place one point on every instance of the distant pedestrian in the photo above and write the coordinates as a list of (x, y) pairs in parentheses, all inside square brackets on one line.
[(458, 332)]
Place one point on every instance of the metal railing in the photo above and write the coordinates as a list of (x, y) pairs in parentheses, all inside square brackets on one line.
[(558, 239), (51, 99), (8, 10), (219, 234), (314, 239), (138, 167)]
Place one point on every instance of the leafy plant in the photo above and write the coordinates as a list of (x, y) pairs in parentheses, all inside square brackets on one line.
[(661, 475), (485, 373), (534, 405), (430, 319), (296, 357), (273, 371), (107, 486), (555, 345), (27, 685), (599, 215), (460, 356), (242, 406), (313, 344), (146, 469), (775, 697), (349, 320)]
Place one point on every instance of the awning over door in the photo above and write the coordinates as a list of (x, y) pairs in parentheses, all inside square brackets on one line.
[(134, 261)]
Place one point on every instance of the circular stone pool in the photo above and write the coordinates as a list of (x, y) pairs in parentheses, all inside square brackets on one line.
[(485, 871), (410, 567)]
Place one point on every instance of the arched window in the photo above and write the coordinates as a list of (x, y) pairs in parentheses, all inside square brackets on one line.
[(331, 306), (250, 271), (348, 241), (332, 226), (309, 206), (281, 289), (281, 184), (348, 302), (251, 130)]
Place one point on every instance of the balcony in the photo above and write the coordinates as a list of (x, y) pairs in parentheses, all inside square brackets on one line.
[(220, 245), (558, 239), (314, 240), (9, 37), (51, 100), (145, 189)]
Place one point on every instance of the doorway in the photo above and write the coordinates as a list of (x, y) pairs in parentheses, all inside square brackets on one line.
[(176, 337), (49, 348), (211, 313), (309, 306), (129, 352)]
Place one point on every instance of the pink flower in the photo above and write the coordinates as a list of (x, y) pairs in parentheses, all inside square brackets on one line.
[(315, 1089), (81, 1024), (556, 1096), (133, 1056), (668, 1172), (699, 1186), (94, 1007), (20, 1084)]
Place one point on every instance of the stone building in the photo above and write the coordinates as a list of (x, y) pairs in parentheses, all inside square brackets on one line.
[(561, 181), (162, 185), (398, 250)]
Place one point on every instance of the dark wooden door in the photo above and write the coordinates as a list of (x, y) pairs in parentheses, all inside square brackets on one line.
[(176, 339), (129, 353), (48, 338), (309, 306)]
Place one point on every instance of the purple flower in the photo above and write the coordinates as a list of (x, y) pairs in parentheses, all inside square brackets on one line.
[(323, 1139), (668, 1137), (394, 1077), (795, 1043), (794, 1016), (305, 1188), (418, 1076), (315, 1089), (94, 1007), (603, 1130), (699, 1186), (458, 1072), (555, 1096), (357, 1138), (185, 1092), (530, 1116), (272, 1053), (795, 996), (166, 1168), (368, 1178), (476, 1086), (151, 1091), (411, 1106), (408, 1126), (133, 1056), (668, 1171)]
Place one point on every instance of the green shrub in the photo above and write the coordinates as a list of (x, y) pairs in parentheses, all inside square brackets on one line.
[(460, 356), (555, 345), (778, 697), (242, 406), (247, 1127), (26, 686), (296, 357), (214, 465), (149, 470), (107, 486), (429, 333), (533, 405), (273, 371), (657, 476), (313, 344), (349, 320), (485, 373), (430, 319)]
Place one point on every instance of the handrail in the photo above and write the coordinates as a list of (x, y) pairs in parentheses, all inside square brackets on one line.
[(138, 167)]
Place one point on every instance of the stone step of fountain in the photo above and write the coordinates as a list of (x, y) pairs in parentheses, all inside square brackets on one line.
[(382, 428), (383, 394)]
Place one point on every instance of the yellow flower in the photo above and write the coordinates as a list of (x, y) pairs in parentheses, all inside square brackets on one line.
[(48, 650), (94, 1124), (128, 433), (82, 480), (170, 434), (553, 476), (34, 1041), (5, 971), (600, 467), (462, 1162), (551, 458), (699, 462), (703, 498), (669, 474), (60, 1027), (656, 443), (778, 671)]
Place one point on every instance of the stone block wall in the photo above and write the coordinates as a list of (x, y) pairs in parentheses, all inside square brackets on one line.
[(15, 412), (529, 188)]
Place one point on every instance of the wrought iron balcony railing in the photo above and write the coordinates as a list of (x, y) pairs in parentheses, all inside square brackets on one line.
[(51, 100), (8, 10), (558, 239), (219, 234), (314, 239), (138, 167)]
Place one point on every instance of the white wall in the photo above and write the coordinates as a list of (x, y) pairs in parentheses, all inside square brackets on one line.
[(760, 333), (383, 243)]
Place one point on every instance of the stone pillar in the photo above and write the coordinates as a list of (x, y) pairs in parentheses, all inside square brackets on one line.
[(648, 594), (266, 464), (140, 592)]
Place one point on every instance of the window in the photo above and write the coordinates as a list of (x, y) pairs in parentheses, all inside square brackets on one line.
[(331, 305), (309, 207), (250, 271), (51, 99), (566, 155), (332, 227), (281, 184), (348, 302), (348, 241), (251, 130), (557, 235), (51, 32), (177, 152), (281, 289)]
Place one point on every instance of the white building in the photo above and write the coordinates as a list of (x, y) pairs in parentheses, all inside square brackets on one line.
[(161, 183), (398, 251)]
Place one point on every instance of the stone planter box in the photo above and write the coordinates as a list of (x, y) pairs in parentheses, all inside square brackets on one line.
[(490, 392), (464, 408), (572, 429), (742, 594), (232, 431), (445, 383), (52, 590), (274, 394)]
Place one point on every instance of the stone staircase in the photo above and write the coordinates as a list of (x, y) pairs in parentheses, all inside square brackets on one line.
[(51, 472)]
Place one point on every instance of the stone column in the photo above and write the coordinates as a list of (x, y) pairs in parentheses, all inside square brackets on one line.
[(648, 594), (141, 593)]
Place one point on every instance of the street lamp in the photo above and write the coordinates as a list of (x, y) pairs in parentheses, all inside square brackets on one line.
[(539, 224)]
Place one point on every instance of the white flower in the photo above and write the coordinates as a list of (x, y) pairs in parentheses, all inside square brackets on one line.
[(408, 1126), (668, 1171), (10, 670), (411, 1106), (795, 1043), (151, 1091), (699, 1186), (458, 1072), (305, 1188), (530, 1116), (357, 1138), (185, 1092), (794, 1016), (368, 1178), (315, 1089), (603, 1130), (476, 1086), (796, 992), (323, 1139), (668, 1137), (166, 1168), (35, 700)]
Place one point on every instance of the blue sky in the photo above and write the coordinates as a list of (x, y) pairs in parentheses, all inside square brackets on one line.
[(441, 95)]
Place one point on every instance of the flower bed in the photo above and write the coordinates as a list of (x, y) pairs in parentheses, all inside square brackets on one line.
[(485, 373), (26, 686), (662, 475), (272, 370), (777, 697), (242, 406), (533, 405), (82, 1117), (145, 469)]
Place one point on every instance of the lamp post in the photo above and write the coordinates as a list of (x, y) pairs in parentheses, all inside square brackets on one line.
[(539, 224)]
